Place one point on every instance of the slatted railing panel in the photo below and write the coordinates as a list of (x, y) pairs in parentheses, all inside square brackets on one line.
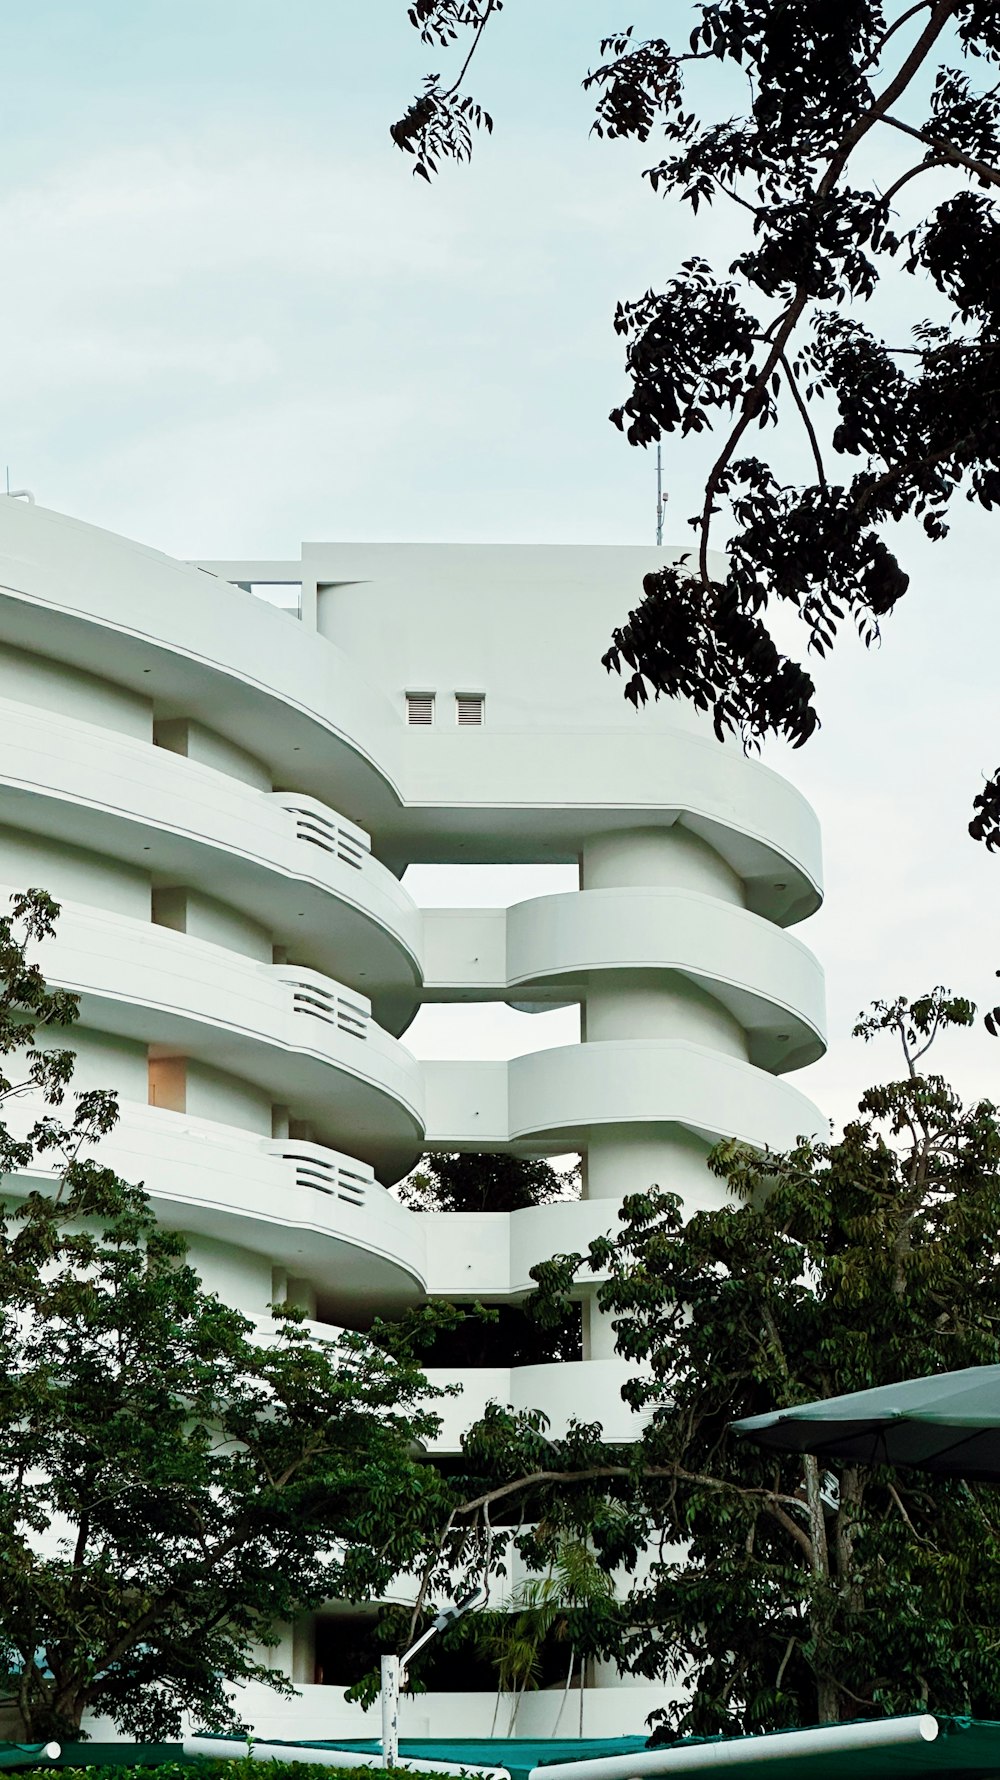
[(327, 1175), (320, 827), (328, 1005)]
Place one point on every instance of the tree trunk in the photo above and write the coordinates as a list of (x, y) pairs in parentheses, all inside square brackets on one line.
[(851, 1491), (68, 1708), (827, 1692), (51, 1710), (827, 1701)]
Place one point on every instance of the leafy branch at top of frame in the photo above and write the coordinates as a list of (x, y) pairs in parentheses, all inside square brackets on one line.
[(817, 243), (725, 355), (441, 121)]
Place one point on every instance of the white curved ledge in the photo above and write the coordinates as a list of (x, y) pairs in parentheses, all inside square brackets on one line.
[(545, 949), (483, 792), (554, 1099), (323, 1714), (569, 1390), (102, 790), (490, 1254), (358, 1245), (294, 1033)]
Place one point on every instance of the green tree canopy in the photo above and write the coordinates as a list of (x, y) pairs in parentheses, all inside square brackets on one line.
[(782, 1591), (176, 1482)]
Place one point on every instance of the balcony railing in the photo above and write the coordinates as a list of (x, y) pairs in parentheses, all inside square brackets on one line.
[(322, 828), (326, 1171), (320, 998)]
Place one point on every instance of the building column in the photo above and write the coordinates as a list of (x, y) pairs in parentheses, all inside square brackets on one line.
[(646, 1003)]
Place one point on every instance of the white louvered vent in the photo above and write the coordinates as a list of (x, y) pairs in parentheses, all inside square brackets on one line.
[(420, 708), (470, 708)]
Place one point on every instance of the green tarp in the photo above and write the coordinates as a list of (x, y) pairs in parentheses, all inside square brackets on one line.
[(20, 1755), (518, 1754), (963, 1747), (966, 1749), (95, 1755)]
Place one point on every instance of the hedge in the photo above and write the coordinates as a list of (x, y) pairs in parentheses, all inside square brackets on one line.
[(224, 1770)]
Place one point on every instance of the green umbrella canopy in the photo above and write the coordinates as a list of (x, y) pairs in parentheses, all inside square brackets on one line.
[(949, 1424)]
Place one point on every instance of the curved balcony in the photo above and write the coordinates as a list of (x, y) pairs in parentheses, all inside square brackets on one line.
[(190, 642), (490, 1254), (285, 860), (198, 646), (490, 794), (550, 948), (303, 1039), (568, 1390), (554, 1099), (320, 1215), (324, 1714)]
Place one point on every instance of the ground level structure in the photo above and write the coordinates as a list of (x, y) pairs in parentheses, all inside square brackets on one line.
[(224, 792)]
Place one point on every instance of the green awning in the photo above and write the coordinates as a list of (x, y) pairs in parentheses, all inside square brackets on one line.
[(948, 1423)]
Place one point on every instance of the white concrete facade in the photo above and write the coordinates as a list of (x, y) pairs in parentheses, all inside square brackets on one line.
[(224, 797)]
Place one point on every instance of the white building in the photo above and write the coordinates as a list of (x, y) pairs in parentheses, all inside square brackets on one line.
[(224, 797)]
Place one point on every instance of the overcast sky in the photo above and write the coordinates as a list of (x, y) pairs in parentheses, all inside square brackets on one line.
[(232, 320)]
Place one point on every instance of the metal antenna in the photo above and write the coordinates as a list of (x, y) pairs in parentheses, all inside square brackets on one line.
[(659, 493)]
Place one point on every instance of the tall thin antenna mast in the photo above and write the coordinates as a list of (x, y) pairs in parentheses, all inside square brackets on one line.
[(659, 493)]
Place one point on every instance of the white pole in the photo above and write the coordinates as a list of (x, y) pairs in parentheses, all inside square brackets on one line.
[(826, 1739), (390, 1711), (394, 1669)]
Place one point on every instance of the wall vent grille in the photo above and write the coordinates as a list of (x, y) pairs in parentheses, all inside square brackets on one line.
[(470, 708), (420, 709)]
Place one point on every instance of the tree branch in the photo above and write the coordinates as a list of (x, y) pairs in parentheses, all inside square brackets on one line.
[(790, 1646), (894, 1493), (806, 421), (792, 1527), (947, 151), (942, 11), (595, 1473), (897, 186), (491, 7), (904, 17)]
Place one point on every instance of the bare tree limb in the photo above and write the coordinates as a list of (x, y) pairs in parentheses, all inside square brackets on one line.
[(806, 421), (897, 24), (948, 152)]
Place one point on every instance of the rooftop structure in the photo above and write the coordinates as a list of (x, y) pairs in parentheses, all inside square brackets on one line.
[(225, 796)]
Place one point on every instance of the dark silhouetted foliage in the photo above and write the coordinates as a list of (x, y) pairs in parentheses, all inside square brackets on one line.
[(482, 1181), (897, 421)]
